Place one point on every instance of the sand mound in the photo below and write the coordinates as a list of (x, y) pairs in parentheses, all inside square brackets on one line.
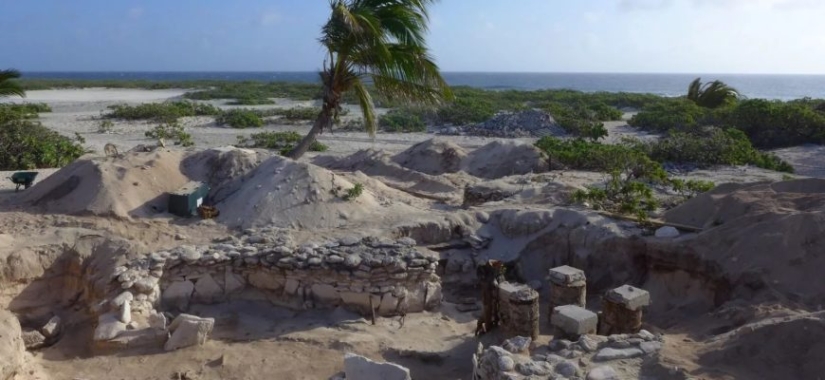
[(132, 186), (284, 193), (504, 158), (731, 201), (434, 156), (379, 165), (218, 165), (774, 349)]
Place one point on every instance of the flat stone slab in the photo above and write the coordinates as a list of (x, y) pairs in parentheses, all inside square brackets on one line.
[(607, 354), (631, 297), (574, 320), (567, 276)]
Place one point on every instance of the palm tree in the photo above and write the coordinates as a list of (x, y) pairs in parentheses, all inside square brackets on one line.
[(8, 86), (712, 94), (381, 41)]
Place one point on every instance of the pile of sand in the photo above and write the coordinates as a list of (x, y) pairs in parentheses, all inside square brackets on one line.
[(131, 186), (284, 193), (380, 166), (136, 184), (765, 238), (729, 202), (504, 158), (494, 160), (435, 156)]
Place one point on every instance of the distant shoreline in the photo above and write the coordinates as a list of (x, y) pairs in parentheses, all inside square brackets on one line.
[(773, 87)]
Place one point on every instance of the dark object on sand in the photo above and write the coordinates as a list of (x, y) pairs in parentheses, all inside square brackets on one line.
[(208, 212), (25, 179), (186, 200)]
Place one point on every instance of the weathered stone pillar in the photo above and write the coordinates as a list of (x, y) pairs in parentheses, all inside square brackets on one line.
[(568, 286), (622, 310), (519, 308)]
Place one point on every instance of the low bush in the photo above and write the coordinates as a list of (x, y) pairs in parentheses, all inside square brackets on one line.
[(162, 112), (240, 118), (402, 120), (354, 192), (679, 114), (24, 110), (591, 130), (775, 124), (300, 113), (283, 142), (465, 111), (251, 102), (713, 146), (27, 144), (170, 131), (105, 126)]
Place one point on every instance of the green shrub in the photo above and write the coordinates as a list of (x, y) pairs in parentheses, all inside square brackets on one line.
[(24, 110), (466, 111), (624, 196), (240, 118), (354, 192), (283, 142), (27, 144), (300, 113), (592, 130), (713, 146), (628, 158), (774, 124), (162, 112), (105, 126), (679, 114), (402, 120), (170, 131), (251, 102)]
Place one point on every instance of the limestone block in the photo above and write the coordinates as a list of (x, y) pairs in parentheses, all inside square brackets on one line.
[(52, 328), (157, 320), (207, 291), (667, 232), (33, 339), (326, 294), (145, 285), (124, 297), (630, 297), (232, 282), (573, 320), (268, 280), (188, 330), (108, 327), (125, 313), (567, 276), (389, 305), (606, 354), (360, 368), (433, 295), (291, 287), (178, 295), (603, 373)]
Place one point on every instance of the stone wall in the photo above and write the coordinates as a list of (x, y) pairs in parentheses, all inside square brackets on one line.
[(391, 277)]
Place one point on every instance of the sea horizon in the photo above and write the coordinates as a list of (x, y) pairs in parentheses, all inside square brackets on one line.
[(767, 86)]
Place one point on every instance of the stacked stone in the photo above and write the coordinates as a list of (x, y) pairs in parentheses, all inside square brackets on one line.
[(529, 123), (519, 309), (568, 286), (622, 310)]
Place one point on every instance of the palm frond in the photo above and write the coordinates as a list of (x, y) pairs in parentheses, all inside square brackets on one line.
[(367, 106), (8, 85)]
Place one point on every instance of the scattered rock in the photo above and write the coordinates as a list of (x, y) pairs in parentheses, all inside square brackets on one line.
[(567, 368), (188, 330), (52, 328), (517, 345), (650, 348), (178, 295), (667, 232), (603, 373), (532, 368), (607, 354), (360, 368), (108, 327), (33, 339)]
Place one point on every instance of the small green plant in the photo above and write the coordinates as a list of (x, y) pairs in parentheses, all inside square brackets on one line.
[(27, 144), (240, 118), (353, 192), (162, 112), (402, 120), (690, 188), (105, 126), (170, 131), (620, 195), (251, 101)]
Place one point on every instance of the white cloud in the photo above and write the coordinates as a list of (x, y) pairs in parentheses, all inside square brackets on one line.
[(135, 13), (270, 17)]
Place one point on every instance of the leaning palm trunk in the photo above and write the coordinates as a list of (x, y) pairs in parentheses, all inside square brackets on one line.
[(379, 40)]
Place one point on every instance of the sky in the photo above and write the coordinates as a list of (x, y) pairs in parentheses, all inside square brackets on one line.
[(612, 36)]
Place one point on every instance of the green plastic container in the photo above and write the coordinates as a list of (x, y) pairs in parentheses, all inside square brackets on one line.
[(186, 200)]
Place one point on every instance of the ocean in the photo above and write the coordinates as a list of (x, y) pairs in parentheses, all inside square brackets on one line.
[(781, 87)]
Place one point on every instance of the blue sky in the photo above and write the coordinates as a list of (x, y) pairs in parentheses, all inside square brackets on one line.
[(669, 36)]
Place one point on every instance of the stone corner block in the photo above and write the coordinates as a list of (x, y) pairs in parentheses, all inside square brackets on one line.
[(630, 297), (567, 276), (574, 320)]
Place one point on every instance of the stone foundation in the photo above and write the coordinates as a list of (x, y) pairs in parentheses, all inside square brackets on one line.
[(364, 275), (622, 310), (568, 286), (519, 310)]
